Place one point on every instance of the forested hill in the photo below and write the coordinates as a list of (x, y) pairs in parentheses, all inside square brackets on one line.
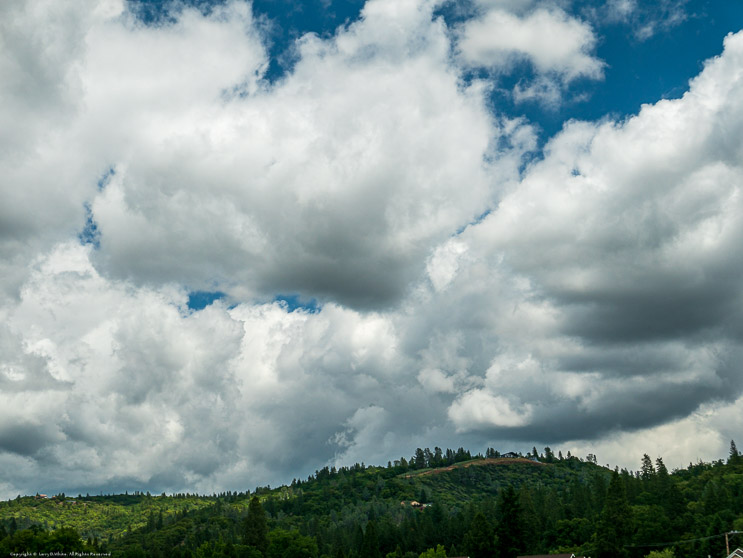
[(435, 504)]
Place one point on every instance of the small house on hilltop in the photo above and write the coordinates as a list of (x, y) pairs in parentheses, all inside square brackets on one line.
[(510, 455)]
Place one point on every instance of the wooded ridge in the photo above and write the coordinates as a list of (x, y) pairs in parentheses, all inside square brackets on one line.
[(437, 503)]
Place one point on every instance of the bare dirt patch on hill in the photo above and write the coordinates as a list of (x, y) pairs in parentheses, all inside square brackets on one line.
[(475, 463)]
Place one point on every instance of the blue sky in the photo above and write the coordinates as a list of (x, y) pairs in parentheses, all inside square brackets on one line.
[(241, 241), (651, 53)]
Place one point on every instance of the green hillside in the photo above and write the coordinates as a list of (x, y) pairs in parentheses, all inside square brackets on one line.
[(483, 506), (99, 517)]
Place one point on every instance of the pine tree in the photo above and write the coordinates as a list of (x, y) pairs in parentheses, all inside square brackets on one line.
[(357, 540), (531, 521), (438, 457), (714, 546), (428, 457), (419, 459), (479, 540), (255, 527), (615, 524), (647, 471), (734, 455), (510, 532), (370, 542)]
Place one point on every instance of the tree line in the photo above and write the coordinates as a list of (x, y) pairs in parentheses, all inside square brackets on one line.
[(545, 503)]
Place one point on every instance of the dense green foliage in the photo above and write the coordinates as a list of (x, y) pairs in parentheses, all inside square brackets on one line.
[(100, 517), (437, 503), (36, 541)]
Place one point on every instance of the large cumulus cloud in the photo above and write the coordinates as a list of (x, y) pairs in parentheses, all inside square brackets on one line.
[(322, 183), (590, 297), (625, 238)]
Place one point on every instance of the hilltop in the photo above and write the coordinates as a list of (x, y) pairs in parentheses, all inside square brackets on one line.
[(547, 503), (474, 462)]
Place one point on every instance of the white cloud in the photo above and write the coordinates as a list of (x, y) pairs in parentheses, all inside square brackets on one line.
[(92, 88), (321, 183), (550, 39), (645, 19), (477, 409), (625, 234), (659, 16), (543, 89), (115, 383), (595, 294), (699, 437), (364, 431), (443, 265), (436, 381), (620, 10), (633, 204)]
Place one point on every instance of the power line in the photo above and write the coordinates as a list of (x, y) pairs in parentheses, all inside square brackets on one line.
[(674, 543)]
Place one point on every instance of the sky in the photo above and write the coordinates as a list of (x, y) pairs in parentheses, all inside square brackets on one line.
[(242, 241)]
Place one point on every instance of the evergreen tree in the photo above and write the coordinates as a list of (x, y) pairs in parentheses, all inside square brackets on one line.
[(663, 485), (357, 539), (646, 470), (290, 544), (479, 540), (255, 527), (734, 455), (419, 459), (598, 492), (615, 523), (438, 457), (428, 457), (715, 545), (370, 542), (510, 532)]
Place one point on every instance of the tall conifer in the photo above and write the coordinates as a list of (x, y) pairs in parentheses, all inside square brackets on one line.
[(615, 524), (255, 527)]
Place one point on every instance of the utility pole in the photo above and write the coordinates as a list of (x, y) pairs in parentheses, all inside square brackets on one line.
[(727, 544)]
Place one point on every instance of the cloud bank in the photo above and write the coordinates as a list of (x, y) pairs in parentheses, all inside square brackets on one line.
[(470, 293)]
